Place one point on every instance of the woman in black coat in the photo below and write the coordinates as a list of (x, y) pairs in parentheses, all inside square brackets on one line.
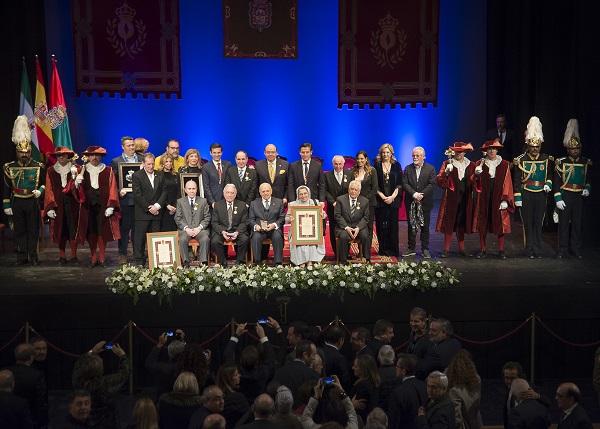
[(364, 392), (367, 176), (236, 405), (171, 179), (175, 408), (389, 198)]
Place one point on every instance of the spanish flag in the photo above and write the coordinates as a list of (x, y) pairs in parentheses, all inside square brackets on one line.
[(59, 120), (42, 125)]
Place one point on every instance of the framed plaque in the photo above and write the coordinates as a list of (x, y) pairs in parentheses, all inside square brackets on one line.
[(196, 177), (163, 249), (306, 225), (126, 170)]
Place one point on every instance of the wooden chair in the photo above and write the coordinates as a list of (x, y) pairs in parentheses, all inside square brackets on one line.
[(231, 245), (353, 241), (265, 242), (194, 244)]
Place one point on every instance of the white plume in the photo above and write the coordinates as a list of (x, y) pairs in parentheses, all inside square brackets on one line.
[(572, 130), (21, 131), (534, 129)]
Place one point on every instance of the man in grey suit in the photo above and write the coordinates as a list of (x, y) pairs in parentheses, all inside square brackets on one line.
[(419, 182), (213, 175), (192, 218), (274, 171), (351, 218), (229, 222), (266, 220)]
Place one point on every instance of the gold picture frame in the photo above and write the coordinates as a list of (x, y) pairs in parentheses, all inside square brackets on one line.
[(306, 225), (163, 249), (196, 177)]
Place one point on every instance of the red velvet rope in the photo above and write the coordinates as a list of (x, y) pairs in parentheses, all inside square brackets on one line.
[(562, 340), (53, 346), (13, 338), (494, 340)]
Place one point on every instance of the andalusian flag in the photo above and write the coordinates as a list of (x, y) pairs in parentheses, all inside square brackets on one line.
[(59, 120), (42, 125), (26, 109)]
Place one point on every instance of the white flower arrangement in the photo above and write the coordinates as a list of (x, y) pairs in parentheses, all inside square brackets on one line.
[(261, 281)]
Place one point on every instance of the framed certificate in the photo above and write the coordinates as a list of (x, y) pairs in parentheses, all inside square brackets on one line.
[(306, 225), (163, 249), (126, 170), (196, 177)]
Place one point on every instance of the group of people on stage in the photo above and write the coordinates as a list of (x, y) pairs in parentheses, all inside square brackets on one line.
[(219, 204)]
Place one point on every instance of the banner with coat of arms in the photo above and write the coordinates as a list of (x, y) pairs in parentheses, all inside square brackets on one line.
[(260, 28), (127, 46), (388, 52)]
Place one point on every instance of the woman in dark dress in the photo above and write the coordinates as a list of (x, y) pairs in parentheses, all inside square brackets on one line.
[(363, 172), (175, 408), (389, 198), (193, 162), (167, 221), (236, 405), (364, 392)]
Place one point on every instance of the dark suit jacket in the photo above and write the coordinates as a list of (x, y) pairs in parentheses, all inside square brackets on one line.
[(343, 218), (31, 386), (260, 424), (14, 412), (280, 185), (314, 180), (336, 364), (511, 146), (145, 195), (293, 374), (425, 184), (247, 188), (578, 419), (439, 415), (333, 189), (213, 190), (239, 220), (273, 215), (404, 402), (529, 414), (127, 200)]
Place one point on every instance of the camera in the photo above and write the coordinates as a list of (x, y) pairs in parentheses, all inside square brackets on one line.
[(108, 346), (328, 380), (169, 333), (263, 321)]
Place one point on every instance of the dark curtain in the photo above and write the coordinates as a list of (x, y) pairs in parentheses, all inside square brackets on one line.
[(543, 59)]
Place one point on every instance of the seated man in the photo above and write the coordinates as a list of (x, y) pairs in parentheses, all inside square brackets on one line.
[(351, 219), (192, 218), (266, 221), (229, 223)]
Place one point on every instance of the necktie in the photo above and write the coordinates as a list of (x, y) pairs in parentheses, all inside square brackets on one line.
[(305, 171), (267, 205), (339, 178), (352, 207), (219, 170), (229, 215), (241, 173), (192, 203), (271, 172)]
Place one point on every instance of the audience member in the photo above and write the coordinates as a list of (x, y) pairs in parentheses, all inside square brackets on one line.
[(177, 407), (40, 348), (336, 408), (317, 363), (439, 411), (386, 359), (214, 421), (145, 415), (264, 409), (364, 392), (596, 373), (573, 416), (165, 372), (80, 406), (377, 419), (444, 345), (406, 399), (196, 359), (465, 390), (212, 403), (359, 340), (383, 333), (284, 416), (294, 373), (419, 343), (14, 410), (527, 413), (235, 403), (297, 331), (335, 363)]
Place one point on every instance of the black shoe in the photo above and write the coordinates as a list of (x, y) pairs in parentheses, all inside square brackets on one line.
[(35, 261), (409, 252), (62, 261), (481, 255), (186, 264), (21, 262), (561, 255), (462, 254), (578, 255), (101, 264), (501, 255), (73, 260), (444, 254), (426, 254)]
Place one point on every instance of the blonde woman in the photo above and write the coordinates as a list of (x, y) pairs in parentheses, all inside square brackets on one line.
[(171, 180), (192, 162), (176, 407), (145, 415), (389, 198)]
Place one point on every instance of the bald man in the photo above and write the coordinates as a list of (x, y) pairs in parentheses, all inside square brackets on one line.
[(573, 415), (264, 408), (527, 413), (274, 171)]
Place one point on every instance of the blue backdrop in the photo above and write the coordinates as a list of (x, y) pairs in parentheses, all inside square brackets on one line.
[(245, 103)]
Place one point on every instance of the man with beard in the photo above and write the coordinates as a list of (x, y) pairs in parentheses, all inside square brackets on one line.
[(99, 198), (60, 204), (22, 191)]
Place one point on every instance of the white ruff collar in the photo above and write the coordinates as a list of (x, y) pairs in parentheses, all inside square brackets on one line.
[(63, 171), (492, 165), (461, 166), (94, 172)]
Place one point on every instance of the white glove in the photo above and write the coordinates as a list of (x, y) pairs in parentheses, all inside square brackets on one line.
[(73, 171), (560, 205), (78, 180), (8, 212), (51, 214), (546, 188), (478, 170), (585, 193), (518, 203), (109, 211), (36, 193), (503, 205), (449, 167)]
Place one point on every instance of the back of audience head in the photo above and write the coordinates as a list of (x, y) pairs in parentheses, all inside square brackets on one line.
[(264, 407), (297, 331), (80, 405), (440, 329), (335, 335), (518, 387), (567, 395), (383, 330), (377, 418), (213, 399), (305, 350), (250, 357), (145, 414), (214, 421), (24, 353), (284, 400), (7, 381), (406, 365), (386, 355), (365, 369), (510, 371), (462, 371), (87, 368), (437, 385), (359, 338), (186, 382), (194, 359), (332, 409), (175, 349)]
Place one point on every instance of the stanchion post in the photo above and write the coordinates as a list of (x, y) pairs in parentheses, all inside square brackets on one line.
[(130, 339), (532, 351), (27, 327)]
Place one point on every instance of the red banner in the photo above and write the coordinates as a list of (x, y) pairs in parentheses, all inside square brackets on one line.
[(127, 46), (388, 52), (260, 28)]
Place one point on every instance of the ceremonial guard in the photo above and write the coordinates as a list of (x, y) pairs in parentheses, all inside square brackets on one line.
[(22, 191), (60, 203), (493, 197), (456, 214), (532, 180), (99, 210), (571, 186)]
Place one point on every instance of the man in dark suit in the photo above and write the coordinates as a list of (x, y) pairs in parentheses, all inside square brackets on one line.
[(192, 218), (444, 346), (506, 136), (213, 175), (405, 399), (419, 182), (149, 196), (29, 384), (14, 411), (296, 372), (274, 171), (306, 171), (351, 217), (264, 408), (383, 333), (229, 222), (419, 343), (527, 413), (573, 414), (245, 179), (439, 411), (127, 221), (334, 361), (336, 185), (359, 339), (266, 220), (212, 403)]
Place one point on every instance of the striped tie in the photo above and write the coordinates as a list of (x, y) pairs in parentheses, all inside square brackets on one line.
[(352, 207)]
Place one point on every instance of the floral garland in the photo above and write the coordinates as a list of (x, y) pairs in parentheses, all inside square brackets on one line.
[(261, 281)]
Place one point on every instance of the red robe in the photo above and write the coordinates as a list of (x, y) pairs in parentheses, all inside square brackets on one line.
[(446, 221), (502, 191), (54, 199), (109, 197)]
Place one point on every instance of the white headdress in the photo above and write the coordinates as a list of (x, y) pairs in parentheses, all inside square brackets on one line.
[(21, 134), (534, 136), (571, 138)]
